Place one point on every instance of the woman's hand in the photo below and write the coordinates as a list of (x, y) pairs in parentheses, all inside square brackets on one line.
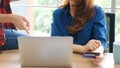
[(92, 45), (95, 46), (99, 58)]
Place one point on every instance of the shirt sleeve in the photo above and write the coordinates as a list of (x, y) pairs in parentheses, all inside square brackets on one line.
[(99, 27), (55, 31)]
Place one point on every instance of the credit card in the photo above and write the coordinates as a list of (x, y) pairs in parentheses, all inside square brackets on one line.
[(91, 54)]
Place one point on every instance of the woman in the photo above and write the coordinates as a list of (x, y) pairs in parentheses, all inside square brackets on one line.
[(8, 32), (85, 22)]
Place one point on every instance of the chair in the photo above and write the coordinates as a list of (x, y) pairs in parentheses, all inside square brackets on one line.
[(110, 19)]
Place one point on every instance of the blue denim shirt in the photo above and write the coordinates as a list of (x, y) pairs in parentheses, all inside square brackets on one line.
[(94, 28)]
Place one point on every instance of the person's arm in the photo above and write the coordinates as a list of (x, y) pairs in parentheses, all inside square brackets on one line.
[(55, 27), (79, 48), (99, 27), (98, 44), (19, 21), (90, 46), (99, 33), (55, 31)]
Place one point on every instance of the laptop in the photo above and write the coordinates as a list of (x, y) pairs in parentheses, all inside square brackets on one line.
[(45, 52)]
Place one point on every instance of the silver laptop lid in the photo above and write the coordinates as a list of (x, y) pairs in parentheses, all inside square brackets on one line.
[(45, 51)]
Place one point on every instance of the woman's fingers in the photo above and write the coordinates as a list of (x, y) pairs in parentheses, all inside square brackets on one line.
[(97, 60)]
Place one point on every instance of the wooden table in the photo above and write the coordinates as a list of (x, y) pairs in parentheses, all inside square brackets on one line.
[(11, 59)]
